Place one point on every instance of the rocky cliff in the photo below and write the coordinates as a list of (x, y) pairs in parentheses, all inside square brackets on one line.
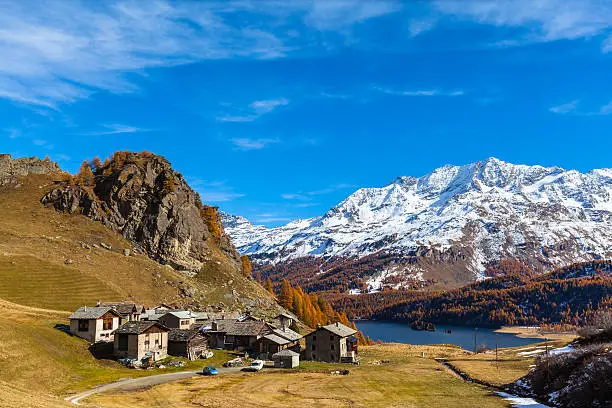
[(10, 169), (140, 196)]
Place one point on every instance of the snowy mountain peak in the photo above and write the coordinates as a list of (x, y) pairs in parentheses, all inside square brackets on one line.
[(491, 209)]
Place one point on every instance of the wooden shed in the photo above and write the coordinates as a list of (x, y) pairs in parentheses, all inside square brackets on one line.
[(187, 343), (286, 359)]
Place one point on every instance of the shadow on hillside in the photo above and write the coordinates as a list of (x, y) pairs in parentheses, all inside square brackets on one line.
[(102, 351), (63, 327)]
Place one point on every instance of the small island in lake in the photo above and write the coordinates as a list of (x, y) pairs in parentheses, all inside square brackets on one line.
[(420, 325)]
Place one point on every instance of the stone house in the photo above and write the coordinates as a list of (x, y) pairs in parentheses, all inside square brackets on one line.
[(234, 334), (275, 340), (129, 311), (94, 323), (334, 343), (286, 359), (141, 340), (187, 343), (178, 319)]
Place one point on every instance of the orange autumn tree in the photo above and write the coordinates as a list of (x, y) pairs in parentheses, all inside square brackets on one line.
[(246, 265), (312, 309)]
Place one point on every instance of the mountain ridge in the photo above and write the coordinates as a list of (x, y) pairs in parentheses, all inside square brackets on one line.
[(487, 210)]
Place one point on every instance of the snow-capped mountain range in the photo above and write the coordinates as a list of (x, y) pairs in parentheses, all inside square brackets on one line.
[(487, 211)]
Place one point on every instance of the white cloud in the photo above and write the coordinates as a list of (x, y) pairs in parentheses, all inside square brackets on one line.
[(419, 92), (337, 14), (419, 26), (243, 143), (572, 108), (114, 129), (256, 110), (541, 20), (565, 108), (218, 196), (606, 47), (13, 133), (268, 105), (308, 195)]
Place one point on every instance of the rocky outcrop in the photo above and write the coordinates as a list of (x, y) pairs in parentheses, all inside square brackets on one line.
[(11, 169), (140, 196)]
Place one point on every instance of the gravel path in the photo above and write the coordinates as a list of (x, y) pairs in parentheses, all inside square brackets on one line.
[(130, 384)]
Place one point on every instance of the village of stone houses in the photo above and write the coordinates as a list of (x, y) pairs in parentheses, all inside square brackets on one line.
[(141, 337)]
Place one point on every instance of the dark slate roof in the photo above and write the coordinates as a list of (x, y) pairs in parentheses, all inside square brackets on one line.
[(87, 312), (137, 327), (287, 334), (245, 328), (125, 308), (181, 335), (285, 353), (339, 329), (288, 316), (276, 339)]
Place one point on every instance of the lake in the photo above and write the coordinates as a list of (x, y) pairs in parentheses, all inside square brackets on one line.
[(395, 332)]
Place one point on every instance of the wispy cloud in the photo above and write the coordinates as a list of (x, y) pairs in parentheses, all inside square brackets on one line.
[(255, 110), (265, 218), (419, 92), (218, 196), (572, 108), (114, 129), (540, 20), (12, 133), (243, 143), (565, 108), (308, 195), (337, 14)]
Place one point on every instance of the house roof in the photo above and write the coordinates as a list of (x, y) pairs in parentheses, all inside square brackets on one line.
[(182, 314), (285, 353), (276, 339), (97, 312), (246, 328), (287, 334), (137, 327), (125, 308), (182, 335), (285, 315), (339, 329)]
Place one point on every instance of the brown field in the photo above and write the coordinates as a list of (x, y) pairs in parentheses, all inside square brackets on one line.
[(407, 380)]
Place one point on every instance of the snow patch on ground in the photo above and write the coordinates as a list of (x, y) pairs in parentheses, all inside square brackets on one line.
[(520, 402)]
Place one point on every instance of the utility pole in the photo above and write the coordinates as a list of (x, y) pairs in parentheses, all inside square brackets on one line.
[(496, 343)]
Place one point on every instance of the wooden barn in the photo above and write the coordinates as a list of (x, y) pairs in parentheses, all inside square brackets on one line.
[(187, 343)]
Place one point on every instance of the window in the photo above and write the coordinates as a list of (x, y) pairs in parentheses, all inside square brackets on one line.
[(107, 323), (157, 343), (83, 325), (146, 344), (123, 342), (314, 347), (332, 346)]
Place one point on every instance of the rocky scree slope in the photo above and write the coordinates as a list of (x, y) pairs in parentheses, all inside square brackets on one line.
[(479, 213), (151, 205)]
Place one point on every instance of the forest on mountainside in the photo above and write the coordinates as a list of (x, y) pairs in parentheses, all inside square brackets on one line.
[(570, 296)]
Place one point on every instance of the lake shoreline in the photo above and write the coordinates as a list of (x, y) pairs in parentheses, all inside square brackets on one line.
[(535, 332)]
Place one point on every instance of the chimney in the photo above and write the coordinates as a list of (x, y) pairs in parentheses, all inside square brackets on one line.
[(337, 324), (98, 303), (84, 308), (214, 326)]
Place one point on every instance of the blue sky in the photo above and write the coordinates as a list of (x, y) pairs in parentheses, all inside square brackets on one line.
[(278, 110)]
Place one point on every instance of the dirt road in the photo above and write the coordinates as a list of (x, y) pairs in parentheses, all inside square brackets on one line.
[(130, 384)]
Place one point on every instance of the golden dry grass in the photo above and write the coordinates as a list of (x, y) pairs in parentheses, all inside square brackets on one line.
[(36, 241), (407, 380)]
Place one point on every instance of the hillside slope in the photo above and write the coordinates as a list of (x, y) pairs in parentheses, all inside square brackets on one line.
[(449, 224), (573, 295), (59, 260)]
